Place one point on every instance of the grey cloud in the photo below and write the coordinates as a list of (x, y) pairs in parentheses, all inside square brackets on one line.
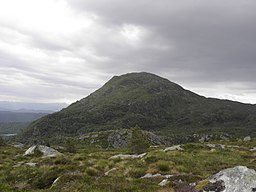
[(197, 43), (206, 36)]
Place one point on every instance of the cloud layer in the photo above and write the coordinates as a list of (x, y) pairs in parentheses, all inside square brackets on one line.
[(57, 50)]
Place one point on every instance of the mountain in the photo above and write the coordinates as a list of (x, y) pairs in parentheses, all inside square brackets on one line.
[(11, 122), (151, 102), (30, 107), (9, 116)]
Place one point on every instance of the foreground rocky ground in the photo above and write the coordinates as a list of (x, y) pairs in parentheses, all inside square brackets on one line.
[(221, 166)]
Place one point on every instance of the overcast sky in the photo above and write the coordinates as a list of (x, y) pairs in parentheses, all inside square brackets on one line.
[(62, 50)]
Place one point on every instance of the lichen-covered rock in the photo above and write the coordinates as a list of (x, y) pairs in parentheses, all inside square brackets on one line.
[(19, 145), (253, 149), (121, 156), (216, 146), (149, 175), (174, 148), (164, 182), (247, 138), (30, 150), (237, 179), (32, 164), (109, 171), (47, 151)]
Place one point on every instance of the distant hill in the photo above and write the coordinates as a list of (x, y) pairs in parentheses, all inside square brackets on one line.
[(30, 107), (9, 116), (151, 102), (13, 122), (14, 116)]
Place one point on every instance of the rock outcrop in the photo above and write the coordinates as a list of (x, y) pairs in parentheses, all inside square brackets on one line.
[(120, 138)]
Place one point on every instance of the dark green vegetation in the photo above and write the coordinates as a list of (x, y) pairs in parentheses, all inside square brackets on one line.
[(8, 116), (13, 122), (138, 142), (12, 128), (151, 102), (86, 170), (1, 141)]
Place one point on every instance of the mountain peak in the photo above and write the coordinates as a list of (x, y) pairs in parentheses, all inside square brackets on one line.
[(147, 100)]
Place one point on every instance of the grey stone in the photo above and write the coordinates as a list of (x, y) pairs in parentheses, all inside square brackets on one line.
[(109, 171), (149, 175), (248, 138), (30, 150), (31, 164), (253, 149), (19, 145), (121, 156), (174, 148), (216, 146), (119, 138), (164, 182), (237, 179), (47, 151)]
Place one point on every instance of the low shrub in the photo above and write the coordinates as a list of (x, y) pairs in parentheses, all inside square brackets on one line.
[(91, 171), (162, 166)]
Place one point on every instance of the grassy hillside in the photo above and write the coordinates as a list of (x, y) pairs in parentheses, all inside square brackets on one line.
[(92, 169), (151, 102)]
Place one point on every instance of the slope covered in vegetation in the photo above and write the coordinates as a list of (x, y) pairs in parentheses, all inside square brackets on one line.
[(151, 102)]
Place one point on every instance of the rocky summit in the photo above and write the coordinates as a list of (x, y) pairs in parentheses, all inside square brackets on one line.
[(153, 103)]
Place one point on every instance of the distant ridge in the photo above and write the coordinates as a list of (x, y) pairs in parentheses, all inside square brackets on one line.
[(30, 107), (151, 102)]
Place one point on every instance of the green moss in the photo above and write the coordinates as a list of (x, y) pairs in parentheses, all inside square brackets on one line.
[(91, 171), (200, 185)]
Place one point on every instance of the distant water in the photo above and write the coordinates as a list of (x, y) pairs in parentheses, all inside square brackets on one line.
[(8, 135)]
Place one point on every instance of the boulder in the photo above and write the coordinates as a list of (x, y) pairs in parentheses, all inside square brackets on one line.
[(19, 145), (253, 149), (237, 179), (248, 138), (47, 151), (30, 150)]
